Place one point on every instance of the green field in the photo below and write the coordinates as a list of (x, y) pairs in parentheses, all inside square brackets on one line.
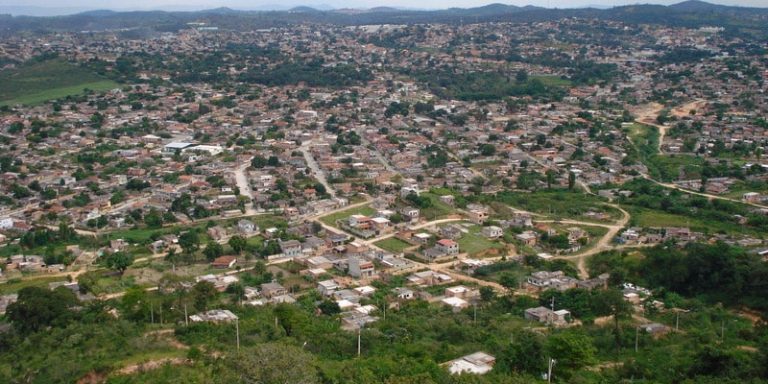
[(393, 245), (36, 82), (653, 218), (438, 208), (552, 81), (473, 242), (331, 219), (645, 139)]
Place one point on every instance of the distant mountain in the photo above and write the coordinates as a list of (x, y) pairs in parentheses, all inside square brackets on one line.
[(698, 6), (303, 9), (98, 13), (384, 9), (693, 14)]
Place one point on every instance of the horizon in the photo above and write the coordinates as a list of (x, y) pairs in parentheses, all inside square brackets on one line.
[(43, 8)]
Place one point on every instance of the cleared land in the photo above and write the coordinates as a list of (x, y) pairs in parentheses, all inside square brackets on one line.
[(36, 82), (393, 245), (331, 219)]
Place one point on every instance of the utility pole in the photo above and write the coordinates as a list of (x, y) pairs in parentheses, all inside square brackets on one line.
[(359, 329), (549, 369), (677, 321), (637, 336), (722, 330), (152, 312), (474, 321), (186, 317), (237, 333)]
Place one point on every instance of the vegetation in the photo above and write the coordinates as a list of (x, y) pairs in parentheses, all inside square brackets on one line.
[(37, 81)]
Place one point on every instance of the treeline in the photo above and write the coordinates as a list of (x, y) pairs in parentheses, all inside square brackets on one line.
[(313, 73), (486, 86), (713, 273), (646, 194)]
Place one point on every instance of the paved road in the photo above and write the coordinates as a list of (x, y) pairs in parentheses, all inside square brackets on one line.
[(244, 186), (317, 172)]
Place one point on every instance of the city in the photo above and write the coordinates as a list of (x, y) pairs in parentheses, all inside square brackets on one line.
[(571, 199)]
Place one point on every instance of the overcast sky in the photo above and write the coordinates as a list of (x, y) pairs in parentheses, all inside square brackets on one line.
[(261, 4)]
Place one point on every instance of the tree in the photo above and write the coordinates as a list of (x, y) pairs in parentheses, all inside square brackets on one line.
[(487, 294), (38, 308), (508, 280), (329, 307), (550, 178), (202, 293), (572, 350), (258, 162), (487, 149), (571, 180), (189, 242), (238, 244), (521, 76), (153, 219), (119, 261), (275, 364), (525, 353), (612, 301), (213, 250)]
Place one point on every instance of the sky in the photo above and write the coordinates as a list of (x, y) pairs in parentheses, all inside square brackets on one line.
[(70, 6)]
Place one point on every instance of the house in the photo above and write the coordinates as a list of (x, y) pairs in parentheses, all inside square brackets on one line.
[(247, 227), (456, 303), (447, 199), (527, 238), (452, 232), (270, 290), (478, 216), (365, 290), (461, 292), (492, 232), (359, 268), (751, 197), (410, 213), (214, 316), (542, 280), (224, 262), (546, 315), (421, 238), (403, 293), (428, 278), (290, 248), (359, 222), (327, 287), (448, 246), (521, 220), (478, 363)]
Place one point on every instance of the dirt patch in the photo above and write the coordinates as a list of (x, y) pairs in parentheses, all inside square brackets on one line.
[(150, 365), (93, 378)]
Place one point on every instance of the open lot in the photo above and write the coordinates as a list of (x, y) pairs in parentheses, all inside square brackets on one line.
[(36, 82)]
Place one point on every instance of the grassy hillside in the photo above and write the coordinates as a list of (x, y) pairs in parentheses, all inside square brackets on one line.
[(36, 82)]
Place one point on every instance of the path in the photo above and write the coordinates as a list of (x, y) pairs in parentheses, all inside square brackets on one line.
[(602, 245)]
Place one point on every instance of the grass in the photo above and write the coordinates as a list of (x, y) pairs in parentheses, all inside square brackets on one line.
[(15, 285), (332, 218), (652, 218), (474, 243), (36, 82), (558, 203), (438, 208), (393, 245), (668, 167), (144, 235), (552, 81)]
